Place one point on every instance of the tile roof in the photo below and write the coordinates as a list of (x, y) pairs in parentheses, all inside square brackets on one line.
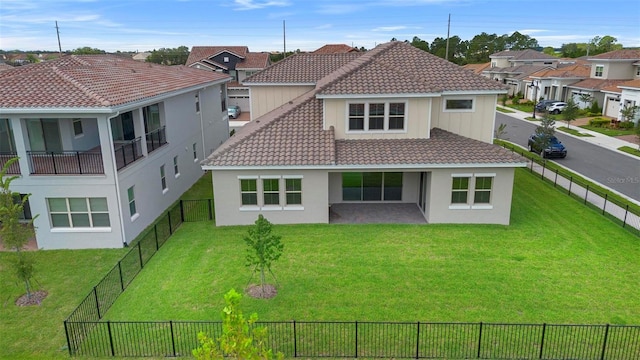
[(565, 71), (94, 81), (302, 68), (611, 88), (293, 135), (596, 84), (4, 67), (254, 61), (202, 52), (522, 55), (477, 68), (631, 84), (624, 54), (334, 49)]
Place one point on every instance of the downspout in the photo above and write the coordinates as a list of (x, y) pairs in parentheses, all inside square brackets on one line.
[(202, 122), (117, 182)]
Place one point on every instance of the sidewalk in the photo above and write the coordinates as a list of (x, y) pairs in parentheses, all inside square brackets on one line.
[(596, 138)]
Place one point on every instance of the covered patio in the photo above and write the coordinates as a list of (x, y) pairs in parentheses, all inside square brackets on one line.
[(375, 213)]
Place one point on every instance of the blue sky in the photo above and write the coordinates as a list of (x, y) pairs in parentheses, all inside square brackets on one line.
[(150, 24)]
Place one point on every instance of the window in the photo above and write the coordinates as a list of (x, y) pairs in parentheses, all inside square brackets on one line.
[(638, 71), (599, 70), (293, 191), (225, 59), (249, 191), (163, 179), (77, 128), (460, 189), (151, 116), (483, 190), (6, 136), (78, 212), (176, 171), (271, 191), (197, 103), (372, 186), (223, 97), (376, 116), (195, 151), (458, 104), (132, 201)]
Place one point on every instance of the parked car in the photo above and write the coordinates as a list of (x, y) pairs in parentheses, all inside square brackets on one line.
[(542, 105), (556, 107), (555, 148), (233, 111)]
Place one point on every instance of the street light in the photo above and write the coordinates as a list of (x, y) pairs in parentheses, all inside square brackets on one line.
[(534, 85)]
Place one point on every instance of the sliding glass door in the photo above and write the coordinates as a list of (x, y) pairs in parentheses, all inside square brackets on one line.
[(44, 135), (372, 186)]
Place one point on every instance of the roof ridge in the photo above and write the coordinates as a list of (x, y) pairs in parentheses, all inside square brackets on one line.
[(78, 85)]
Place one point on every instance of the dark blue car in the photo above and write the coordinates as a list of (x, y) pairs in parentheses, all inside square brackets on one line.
[(555, 148)]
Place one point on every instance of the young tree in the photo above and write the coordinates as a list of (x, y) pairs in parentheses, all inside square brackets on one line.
[(570, 112), (240, 339), (264, 249), (629, 112), (15, 234), (500, 131), (544, 132)]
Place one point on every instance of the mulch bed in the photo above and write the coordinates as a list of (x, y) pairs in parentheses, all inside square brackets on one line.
[(257, 292), (35, 299)]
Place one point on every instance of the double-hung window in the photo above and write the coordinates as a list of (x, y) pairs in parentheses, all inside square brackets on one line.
[(131, 197), (460, 190), (599, 71), (78, 212), (483, 190), (478, 185), (249, 192), (376, 116), (293, 191), (163, 179), (271, 191)]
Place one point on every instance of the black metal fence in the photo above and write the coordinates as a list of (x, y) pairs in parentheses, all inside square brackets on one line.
[(619, 210), (81, 323), (127, 152), (14, 169), (65, 162), (156, 139), (374, 340)]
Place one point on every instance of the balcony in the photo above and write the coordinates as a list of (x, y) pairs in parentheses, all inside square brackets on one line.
[(156, 139), (65, 162), (127, 152), (14, 169)]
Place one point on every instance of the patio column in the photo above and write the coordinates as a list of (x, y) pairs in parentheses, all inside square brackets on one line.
[(20, 138)]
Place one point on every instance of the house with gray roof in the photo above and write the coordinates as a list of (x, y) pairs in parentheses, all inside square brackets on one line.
[(106, 143), (393, 125), (513, 67)]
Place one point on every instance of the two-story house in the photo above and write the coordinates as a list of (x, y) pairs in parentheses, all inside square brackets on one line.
[(608, 71), (514, 67), (553, 84), (106, 143), (237, 61), (394, 124)]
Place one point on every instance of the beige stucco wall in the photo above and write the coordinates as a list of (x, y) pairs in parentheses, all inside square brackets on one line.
[(417, 119), (267, 98), (613, 70), (314, 209), (441, 210), (477, 124)]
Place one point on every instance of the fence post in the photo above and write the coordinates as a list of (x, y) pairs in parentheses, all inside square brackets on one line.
[(570, 183), (79, 162), (120, 271), (169, 217), (479, 340), (604, 343), (173, 341), (140, 254), (544, 328), (66, 333), (295, 340), (155, 232), (181, 211), (544, 166), (356, 354), (113, 353), (605, 203), (555, 181), (624, 222), (586, 194), (95, 294), (210, 209), (418, 341)]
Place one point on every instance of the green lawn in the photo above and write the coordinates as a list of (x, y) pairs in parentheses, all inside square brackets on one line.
[(629, 150), (36, 332), (558, 262), (609, 131), (573, 131)]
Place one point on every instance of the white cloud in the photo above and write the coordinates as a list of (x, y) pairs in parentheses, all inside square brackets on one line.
[(253, 4), (390, 28), (339, 9), (532, 31)]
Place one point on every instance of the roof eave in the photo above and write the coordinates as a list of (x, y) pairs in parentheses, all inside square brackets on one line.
[(377, 96), (278, 84), (371, 167)]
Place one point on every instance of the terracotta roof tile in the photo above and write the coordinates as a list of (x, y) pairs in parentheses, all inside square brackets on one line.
[(96, 81), (631, 84), (334, 49), (254, 61), (624, 54), (565, 71), (596, 84), (477, 68)]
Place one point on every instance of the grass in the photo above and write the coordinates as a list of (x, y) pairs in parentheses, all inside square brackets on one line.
[(501, 109), (630, 150), (528, 108), (609, 131), (573, 131), (558, 262), (36, 332)]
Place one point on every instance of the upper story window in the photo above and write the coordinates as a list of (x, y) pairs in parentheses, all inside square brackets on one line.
[(223, 97), (225, 59), (376, 116), (197, 103), (151, 115), (599, 70), (6, 137), (458, 105)]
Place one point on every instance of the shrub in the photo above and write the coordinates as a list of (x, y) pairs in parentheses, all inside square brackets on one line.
[(626, 125), (515, 100), (595, 109), (503, 99), (599, 122)]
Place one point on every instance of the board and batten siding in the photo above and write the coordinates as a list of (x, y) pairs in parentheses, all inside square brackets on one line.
[(267, 98), (477, 124)]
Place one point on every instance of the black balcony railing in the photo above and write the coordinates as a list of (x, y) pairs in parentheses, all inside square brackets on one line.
[(127, 152), (65, 162), (156, 139), (14, 169)]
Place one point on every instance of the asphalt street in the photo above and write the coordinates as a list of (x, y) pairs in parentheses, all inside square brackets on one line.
[(606, 167)]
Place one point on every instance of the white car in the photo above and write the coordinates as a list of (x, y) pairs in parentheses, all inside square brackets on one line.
[(556, 107)]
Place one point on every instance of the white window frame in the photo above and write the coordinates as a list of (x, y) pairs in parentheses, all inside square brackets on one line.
[(197, 104), (176, 169), (595, 72), (288, 206), (263, 192), (89, 212), (260, 193), (194, 147), (131, 197), (255, 206), (163, 179), (471, 192), (386, 115), (448, 98)]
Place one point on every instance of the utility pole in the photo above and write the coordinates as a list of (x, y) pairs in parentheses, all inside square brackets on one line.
[(284, 38), (58, 32), (446, 54)]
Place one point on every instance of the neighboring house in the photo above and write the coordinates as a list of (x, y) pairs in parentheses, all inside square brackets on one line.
[(5, 67), (608, 71), (106, 143), (552, 84), (394, 124), (335, 49), (237, 61), (514, 67), (630, 96), (477, 68), (141, 56)]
